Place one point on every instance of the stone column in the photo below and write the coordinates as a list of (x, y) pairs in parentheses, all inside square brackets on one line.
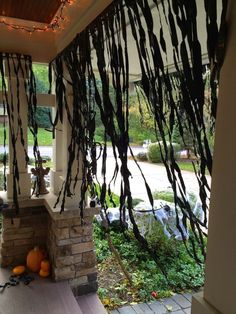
[(219, 294), (71, 249), (25, 178)]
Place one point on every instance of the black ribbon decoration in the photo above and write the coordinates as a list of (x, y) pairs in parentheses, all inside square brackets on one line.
[(93, 71), (170, 98)]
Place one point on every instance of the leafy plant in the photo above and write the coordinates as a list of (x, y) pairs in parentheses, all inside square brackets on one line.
[(1, 181), (47, 158), (2, 156), (101, 244), (154, 153), (155, 150), (136, 201), (181, 270), (163, 195)]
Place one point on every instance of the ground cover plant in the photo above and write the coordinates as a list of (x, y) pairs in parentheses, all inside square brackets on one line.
[(147, 280), (176, 270)]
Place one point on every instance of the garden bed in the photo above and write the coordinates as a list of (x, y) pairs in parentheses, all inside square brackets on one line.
[(176, 270)]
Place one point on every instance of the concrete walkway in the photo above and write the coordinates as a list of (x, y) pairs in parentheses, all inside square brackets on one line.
[(178, 304)]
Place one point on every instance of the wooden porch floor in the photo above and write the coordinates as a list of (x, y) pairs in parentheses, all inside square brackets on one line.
[(43, 296)]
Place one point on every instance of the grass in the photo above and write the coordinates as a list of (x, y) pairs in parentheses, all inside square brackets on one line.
[(44, 137), (186, 165)]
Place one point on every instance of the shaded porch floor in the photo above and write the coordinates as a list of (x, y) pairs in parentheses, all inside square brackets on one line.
[(44, 296), (178, 304)]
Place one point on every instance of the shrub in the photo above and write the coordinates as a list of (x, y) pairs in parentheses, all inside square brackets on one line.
[(2, 157), (47, 158), (1, 181), (142, 156), (31, 161), (136, 201), (154, 151), (163, 195), (168, 196)]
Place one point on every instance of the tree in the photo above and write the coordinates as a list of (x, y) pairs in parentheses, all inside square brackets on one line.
[(42, 87)]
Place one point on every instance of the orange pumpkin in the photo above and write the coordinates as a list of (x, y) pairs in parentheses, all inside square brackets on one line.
[(34, 259), (45, 265), (18, 270), (44, 273)]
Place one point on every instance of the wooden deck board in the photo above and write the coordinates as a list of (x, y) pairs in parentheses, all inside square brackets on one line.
[(90, 304), (39, 297)]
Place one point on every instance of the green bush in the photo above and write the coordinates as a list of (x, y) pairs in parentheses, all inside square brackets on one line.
[(31, 161), (136, 201), (1, 181), (2, 157), (168, 196), (47, 158), (163, 195), (154, 151)]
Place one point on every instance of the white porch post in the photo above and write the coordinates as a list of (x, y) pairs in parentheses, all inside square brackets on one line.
[(61, 156), (58, 148), (67, 130), (219, 294), (25, 177)]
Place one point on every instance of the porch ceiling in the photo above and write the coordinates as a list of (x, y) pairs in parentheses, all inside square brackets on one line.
[(45, 45), (41, 11)]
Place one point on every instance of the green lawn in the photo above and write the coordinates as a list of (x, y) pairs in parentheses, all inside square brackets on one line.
[(186, 165), (44, 137)]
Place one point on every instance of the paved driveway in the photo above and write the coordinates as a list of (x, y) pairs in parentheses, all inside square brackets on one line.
[(154, 174)]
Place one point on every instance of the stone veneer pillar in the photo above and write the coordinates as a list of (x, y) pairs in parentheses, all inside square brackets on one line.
[(71, 251), (68, 240), (20, 233)]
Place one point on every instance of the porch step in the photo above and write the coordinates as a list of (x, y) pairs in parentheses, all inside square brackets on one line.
[(90, 304), (39, 297)]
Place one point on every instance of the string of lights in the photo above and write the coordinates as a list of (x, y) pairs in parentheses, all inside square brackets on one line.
[(54, 25)]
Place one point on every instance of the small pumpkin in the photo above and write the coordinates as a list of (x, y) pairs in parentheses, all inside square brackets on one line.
[(45, 265), (18, 270), (34, 259), (44, 273)]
